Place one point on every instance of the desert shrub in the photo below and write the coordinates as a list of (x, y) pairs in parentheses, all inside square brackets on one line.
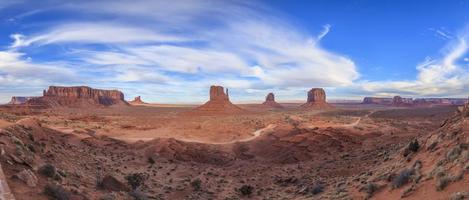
[(196, 184), (135, 180), (47, 170), (414, 145), (442, 182), (151, 160), (453, 154), (56, 192), (138, 195), (246, 190), (459, 196), (317, 188), (402, 178), (370, 188)]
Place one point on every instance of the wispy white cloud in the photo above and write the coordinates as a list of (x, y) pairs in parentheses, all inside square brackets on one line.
[(97, 33), (442, 76), (21, 73), (324, 32), (247, 47)]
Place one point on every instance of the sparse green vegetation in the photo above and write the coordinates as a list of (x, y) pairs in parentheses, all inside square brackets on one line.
[(56, 192), (135, 180), (48, 170), (246, 190), (442, 182), (196, 184), (317, 188), (402, 178)]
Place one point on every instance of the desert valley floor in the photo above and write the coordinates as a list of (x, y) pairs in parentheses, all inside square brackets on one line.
[(353, 151)]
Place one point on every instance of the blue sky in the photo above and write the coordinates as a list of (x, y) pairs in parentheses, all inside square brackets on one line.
[(172, 51)]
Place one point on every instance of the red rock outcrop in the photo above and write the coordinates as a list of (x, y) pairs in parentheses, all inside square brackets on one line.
[(137, 101), (399, 101), (317, 99), (79, 96), (270, 101), (219, 103), (19, 100)]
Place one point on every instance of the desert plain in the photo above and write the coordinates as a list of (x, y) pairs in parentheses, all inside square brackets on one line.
[(73, 144)]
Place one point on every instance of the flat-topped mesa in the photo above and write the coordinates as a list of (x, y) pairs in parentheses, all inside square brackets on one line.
[(78, 96), (137, 100), (19, 100), (377, 100), (317, 99), (83, 92), (270, 101), (219, 103)]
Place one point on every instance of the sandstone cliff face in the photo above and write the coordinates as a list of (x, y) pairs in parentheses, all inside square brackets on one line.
[(19, 100), (316, 99), (218, 94), (83, 92), (270, 101), (219, 103), (80, 96)]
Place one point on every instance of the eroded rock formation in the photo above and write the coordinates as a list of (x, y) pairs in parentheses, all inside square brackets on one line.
[(219, 103), (137, 101), (316, 99), (79, 96), (270, 101), (399, 101), (19, 100)]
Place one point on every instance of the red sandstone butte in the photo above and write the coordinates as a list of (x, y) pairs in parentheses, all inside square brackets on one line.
[(219, 103), (137, 101), (316, 99), (78, 96), (270, 101)]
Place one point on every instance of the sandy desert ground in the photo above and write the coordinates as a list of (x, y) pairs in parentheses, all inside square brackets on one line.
[(286, 153)]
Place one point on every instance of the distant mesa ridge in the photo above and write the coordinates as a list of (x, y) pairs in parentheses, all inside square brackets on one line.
[(400, 101), (78, 96)]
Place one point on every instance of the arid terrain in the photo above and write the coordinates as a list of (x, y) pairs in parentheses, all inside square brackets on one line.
[(150, 151)]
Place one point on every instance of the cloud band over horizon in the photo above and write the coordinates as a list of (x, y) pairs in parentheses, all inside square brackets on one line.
[(248, 47)]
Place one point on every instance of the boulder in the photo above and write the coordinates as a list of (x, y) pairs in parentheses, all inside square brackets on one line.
[(219, 103), (28, 177), (110, 183), (270, 101), (316, 99)]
